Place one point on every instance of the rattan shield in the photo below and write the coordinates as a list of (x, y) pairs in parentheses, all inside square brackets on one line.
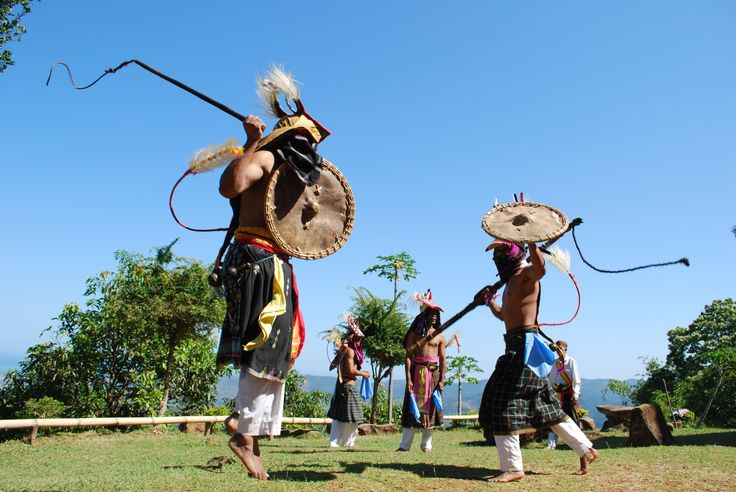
[(524, 222), (309, 222)]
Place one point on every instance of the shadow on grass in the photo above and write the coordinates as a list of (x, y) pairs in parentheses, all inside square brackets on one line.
[(302, 476), (427, 470), (324, 450), (481, 443), (718, 438)]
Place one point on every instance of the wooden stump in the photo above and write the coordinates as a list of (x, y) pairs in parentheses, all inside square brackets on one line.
[(32, 437)]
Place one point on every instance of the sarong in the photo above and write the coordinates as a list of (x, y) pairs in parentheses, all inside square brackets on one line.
[(346, 405), (259, 333), (516, 400), (425, 376)]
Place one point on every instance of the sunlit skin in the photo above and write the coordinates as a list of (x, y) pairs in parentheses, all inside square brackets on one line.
[(519, 308), (435, 347), (247, 176)]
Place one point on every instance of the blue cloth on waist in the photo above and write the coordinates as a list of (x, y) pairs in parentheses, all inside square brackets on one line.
[(537, 355)]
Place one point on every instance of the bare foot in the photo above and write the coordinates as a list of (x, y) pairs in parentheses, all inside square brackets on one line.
[(509, 476), (231, 423), (245, 449), (586, 460), (257, 452)]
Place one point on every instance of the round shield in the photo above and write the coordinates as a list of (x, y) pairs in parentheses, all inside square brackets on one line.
[(309, 222), (524, 222)]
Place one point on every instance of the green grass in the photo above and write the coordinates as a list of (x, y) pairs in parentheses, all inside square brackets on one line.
[(169, 460)]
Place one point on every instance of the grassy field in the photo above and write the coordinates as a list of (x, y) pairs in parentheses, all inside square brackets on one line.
[(169, 460)]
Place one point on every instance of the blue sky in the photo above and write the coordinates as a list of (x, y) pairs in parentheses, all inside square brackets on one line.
[(619, 112)]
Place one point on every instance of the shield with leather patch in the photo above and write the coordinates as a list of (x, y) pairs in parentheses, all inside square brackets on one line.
[(309, 222), (525, 222)]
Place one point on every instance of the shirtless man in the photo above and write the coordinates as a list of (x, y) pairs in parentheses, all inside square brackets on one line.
[(517, 398), (346, 407), (425, 372), (263, 331)]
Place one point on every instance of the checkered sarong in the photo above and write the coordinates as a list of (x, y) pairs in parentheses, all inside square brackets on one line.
[(515, 400), (346, 405)]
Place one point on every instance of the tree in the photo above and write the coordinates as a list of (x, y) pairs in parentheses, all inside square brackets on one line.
[(458, 369), (300, 403), (392, 267), (11, 13), (384, 327), (700, 368), (145, 336), (620, 388)]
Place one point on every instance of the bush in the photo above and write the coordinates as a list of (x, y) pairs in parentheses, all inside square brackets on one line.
[(382, 408)]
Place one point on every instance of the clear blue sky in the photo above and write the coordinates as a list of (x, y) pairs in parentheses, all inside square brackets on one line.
[(621, 113)]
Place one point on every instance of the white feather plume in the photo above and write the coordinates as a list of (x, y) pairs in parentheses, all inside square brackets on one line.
[(560, 259), (334, 336), (214, 156), (275, 82), (455, 340)]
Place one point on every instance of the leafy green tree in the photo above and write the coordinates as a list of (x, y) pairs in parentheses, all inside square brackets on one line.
[(700, 368), (459, 369), (384, 327), (620, 388), (300, 403), (11, 13), (393, 267), (145, 336), (382, 408)]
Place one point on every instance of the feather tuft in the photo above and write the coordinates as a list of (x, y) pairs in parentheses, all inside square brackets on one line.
[(215, 156), (275, 82), (455, 340), (560, 259), (334, 336)]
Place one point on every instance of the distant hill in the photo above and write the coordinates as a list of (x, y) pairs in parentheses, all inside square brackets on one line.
[(591, 394)]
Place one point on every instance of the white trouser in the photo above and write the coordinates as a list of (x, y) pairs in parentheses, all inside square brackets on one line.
[(260, 404), (343, 434), (408, 437), (509, 450)]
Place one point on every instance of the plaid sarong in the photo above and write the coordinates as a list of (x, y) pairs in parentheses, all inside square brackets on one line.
[(346, 405), (516, 400), (425, 376)]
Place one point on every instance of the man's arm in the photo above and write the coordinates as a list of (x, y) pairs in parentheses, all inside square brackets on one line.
[(487, 297), (575, 379), (246, 169), (538, 268), (410, 340), (443, 361)]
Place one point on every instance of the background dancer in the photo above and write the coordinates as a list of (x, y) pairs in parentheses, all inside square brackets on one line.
[(426, 367)]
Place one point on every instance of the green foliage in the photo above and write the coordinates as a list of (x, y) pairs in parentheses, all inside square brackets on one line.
[(700, 369), (300, 403), (393, 267), (144, 337), (382, 408), (44, 408), (623, 390), (11, 13), (384, 327), (459, 369)]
